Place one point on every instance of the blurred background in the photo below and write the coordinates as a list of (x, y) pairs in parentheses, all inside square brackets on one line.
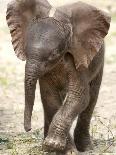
[(13, 139)]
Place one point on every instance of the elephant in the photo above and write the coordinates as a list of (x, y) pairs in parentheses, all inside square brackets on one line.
[(65, 53)]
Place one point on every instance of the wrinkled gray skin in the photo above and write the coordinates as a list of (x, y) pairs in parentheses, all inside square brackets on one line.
[(59, 80), (66, 55)]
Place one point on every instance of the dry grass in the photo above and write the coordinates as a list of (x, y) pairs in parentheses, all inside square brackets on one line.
[(102, 133), (13, 140)]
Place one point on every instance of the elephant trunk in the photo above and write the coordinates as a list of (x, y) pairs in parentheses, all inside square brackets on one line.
[(31, 77)]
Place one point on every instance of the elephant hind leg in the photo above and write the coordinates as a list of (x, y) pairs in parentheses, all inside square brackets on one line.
[(81, 133)]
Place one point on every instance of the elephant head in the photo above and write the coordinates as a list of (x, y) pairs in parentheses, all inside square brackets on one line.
[(42, 40)]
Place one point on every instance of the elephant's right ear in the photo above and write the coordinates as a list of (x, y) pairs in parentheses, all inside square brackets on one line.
[(18, 14)]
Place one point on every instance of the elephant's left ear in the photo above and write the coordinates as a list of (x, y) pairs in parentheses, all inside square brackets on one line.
[(89, 26)]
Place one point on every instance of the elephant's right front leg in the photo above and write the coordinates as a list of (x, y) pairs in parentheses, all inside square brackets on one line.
[(51, 102)]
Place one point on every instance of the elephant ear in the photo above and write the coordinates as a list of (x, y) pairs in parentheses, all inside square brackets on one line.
[(89, 26), (19, 13)]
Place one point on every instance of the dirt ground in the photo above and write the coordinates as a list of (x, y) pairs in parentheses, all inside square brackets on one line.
[(13, 139)]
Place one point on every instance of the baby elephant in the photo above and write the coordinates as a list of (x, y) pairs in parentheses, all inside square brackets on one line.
[(65, 53)]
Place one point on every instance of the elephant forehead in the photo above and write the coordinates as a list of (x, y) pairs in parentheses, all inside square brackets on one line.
[(44, 42), (49, 27), (45, 45), (46, 28), (44, 36)]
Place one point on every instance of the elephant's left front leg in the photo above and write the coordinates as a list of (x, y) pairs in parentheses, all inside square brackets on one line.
[(51, 103), (78, 94)]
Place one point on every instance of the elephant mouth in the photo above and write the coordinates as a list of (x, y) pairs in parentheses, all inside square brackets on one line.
[(47, 66)]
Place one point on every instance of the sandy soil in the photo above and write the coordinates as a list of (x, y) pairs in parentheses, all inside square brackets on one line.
[(12, 90)]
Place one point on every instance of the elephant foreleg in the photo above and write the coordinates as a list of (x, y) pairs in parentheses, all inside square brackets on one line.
[(78, 93), (51, 102), (81, 133)]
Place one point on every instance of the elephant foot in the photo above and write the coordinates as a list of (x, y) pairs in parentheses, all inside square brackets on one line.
[(56, 139), (71, 151), (83, 142), (68, 153), (70, 148), (54, 143)]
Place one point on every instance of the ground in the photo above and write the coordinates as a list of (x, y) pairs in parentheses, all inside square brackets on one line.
[(13, 139)]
